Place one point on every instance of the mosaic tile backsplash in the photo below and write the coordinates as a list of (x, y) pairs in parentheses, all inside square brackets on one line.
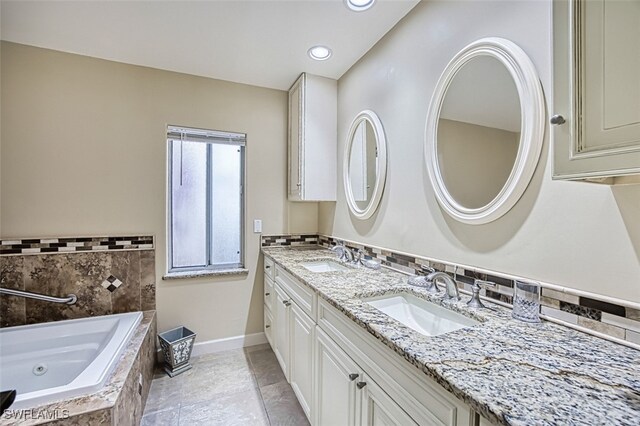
[(74, 244), (613, 320), (106, 281)]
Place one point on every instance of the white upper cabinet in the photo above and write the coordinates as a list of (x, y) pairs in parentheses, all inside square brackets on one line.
[(313, 139), (597, 90)]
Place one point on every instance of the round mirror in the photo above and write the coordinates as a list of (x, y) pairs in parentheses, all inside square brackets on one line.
[(485, 130), (365, 164)]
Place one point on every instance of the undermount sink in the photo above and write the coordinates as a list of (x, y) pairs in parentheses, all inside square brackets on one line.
[(324, 266), (424, 317)]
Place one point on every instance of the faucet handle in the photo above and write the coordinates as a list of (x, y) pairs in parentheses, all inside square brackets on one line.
[(480, 283), (477, 285), (427, 269)]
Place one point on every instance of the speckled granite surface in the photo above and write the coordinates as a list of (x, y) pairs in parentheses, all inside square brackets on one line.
[(120, 396), (511, 372)]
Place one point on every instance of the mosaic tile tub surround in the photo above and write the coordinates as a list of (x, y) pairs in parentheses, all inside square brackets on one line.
[(621, 322), (109, 275)]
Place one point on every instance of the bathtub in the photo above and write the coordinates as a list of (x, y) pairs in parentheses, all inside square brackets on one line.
[(61, 360)]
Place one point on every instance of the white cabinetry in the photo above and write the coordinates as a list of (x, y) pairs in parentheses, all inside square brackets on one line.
[(281, 329), (597, 90), (302, 337), (313, 139), (335, 383), (343, 376)]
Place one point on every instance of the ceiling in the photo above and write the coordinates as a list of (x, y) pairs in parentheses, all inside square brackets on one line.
[(258, 42)]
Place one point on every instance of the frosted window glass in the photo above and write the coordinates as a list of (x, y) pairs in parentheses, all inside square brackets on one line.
[(226, 212), (189, 204)]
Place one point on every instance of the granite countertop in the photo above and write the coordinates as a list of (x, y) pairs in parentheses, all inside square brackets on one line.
[(509, 371)]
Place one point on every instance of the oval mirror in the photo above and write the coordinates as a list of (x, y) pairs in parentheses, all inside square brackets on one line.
[(484, 131), (365, 164)]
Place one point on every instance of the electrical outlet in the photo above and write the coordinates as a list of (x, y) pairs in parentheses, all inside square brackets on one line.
[(257, 226)]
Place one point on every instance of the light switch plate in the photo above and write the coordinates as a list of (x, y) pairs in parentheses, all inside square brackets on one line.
[(257, 226)]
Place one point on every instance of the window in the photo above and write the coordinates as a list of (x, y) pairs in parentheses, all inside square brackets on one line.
[(206, 199)]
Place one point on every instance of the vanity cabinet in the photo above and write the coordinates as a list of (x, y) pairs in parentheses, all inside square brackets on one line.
[(313, 139), (596, 90), (345, 395), (341, 374), (294, 335)]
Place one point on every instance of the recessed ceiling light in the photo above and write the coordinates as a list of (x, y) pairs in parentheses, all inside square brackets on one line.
[(319, 53), (359, 5)]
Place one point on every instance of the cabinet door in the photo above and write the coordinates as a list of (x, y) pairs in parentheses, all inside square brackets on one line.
[(268, 325), (596, 89), (281, 329), (302, 333), (335, 384), (296, 138), (378, 409)]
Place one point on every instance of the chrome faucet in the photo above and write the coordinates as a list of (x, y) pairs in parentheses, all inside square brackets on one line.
[(451, 290), (342, 251)]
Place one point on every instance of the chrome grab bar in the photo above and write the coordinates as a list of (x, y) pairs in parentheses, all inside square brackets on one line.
[(69, 300)]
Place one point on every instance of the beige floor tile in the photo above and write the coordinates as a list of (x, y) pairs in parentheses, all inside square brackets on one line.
[(266, 367), (162, 418), (282, 405), (238, 409), (165, 393)]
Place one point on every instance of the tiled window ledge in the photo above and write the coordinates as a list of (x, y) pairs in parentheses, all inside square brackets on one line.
[(204, 274)]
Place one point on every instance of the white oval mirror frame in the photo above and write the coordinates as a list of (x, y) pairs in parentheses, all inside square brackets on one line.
[(532, 112), (381, 170)]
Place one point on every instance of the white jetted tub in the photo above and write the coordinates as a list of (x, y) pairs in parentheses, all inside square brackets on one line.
[(60, 360)]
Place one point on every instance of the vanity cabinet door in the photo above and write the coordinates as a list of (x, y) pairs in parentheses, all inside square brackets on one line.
[(378, 409), (281, 312), (335, 384), (302, 334)]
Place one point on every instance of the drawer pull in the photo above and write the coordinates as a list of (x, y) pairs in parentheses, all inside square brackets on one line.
[(267, 326), (353, 376), (286, 303), (360, 385), (267, 294), (267, 266)]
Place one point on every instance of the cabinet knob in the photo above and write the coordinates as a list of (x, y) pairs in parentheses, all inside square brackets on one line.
[(267, 326), (353, 376), (557, 120), (267, 294), (360, 385), (298, 184), (286, 303)]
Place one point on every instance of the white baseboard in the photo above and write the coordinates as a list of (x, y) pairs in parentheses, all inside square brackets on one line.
[(236, 342), (220, 345)]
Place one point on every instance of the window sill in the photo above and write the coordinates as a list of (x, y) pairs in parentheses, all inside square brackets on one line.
[(204, 274)]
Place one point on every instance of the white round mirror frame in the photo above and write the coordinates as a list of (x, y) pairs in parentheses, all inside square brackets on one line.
[(381, 172), (532, 112)]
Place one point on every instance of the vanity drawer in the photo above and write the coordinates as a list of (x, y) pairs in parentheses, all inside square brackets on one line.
[(269, 294), (269, 268), (301, 294)]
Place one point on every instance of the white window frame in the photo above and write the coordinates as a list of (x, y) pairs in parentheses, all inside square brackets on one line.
[(177, 133)]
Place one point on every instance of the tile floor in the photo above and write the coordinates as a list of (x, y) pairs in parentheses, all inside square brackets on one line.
[(238, 387)]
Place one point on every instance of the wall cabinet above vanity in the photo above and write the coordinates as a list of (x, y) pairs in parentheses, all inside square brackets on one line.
[(313, 111), (596, 90)]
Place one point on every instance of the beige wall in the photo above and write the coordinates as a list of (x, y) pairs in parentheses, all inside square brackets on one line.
[(84, 153), (578, 235)]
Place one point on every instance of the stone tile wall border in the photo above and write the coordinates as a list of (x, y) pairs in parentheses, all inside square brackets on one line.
[(602, 316), (116, 279), (26, 246)]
